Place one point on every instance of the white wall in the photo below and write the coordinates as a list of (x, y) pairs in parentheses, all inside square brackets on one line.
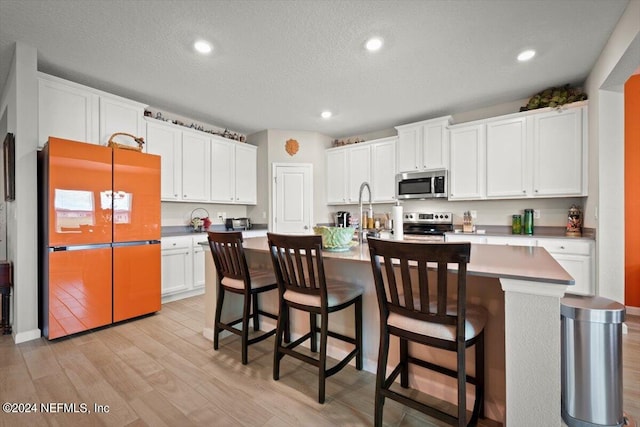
[(178, 213), (259, 214), (617, 61), (19, 101)]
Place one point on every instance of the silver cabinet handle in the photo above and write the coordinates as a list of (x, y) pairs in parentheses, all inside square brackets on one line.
[(561, 247), (524, 191), (174, 244), (306, 227), (175, 195), (184, 195), (536, 191)]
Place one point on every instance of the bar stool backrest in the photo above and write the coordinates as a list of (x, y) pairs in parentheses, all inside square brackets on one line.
[(228, 255)]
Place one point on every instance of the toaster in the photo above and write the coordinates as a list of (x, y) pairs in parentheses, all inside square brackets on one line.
[(237, 224)]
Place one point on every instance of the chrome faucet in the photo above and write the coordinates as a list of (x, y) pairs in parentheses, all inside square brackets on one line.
[(360, 228)]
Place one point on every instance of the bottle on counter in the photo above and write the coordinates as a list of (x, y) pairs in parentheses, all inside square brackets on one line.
[(528, 222), (516, 224)]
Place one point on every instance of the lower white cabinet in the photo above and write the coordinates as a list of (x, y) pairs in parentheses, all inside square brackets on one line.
[(471, 238), (182, 267)]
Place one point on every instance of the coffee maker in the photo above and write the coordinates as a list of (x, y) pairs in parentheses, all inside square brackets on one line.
[(342, 219)]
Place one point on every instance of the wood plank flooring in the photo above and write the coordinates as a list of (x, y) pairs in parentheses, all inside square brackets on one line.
[(160, 371)]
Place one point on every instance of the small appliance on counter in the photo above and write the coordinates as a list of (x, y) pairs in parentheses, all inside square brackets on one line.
[(232, 224), (343, 219)]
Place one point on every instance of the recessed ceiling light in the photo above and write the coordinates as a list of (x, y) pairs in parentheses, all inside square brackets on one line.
[(373, 44), (326, 114), (526, 55), (202, 46)]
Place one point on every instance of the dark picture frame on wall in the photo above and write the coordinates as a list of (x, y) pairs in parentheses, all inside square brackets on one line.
[(9, 150)]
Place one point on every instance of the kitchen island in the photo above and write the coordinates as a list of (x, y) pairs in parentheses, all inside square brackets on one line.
[(521, 289)]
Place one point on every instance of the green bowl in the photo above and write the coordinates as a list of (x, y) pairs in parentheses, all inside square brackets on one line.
[(335, 237)]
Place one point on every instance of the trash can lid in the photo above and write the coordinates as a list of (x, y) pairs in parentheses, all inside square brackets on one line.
[(592, 309)]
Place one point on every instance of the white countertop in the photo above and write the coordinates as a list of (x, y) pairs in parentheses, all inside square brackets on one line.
[(512, 262)]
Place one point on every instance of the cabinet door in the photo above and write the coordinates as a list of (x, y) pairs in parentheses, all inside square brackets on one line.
[(176, 270), (558, 153), (435, 145), (507, 158), (67, 112), (117, 115), (222, 171), (336, 166), (199, 254), (196, 166), (245, 173), (166, 141), (409, 149), (467, 172), (383, 172), (359, 171)]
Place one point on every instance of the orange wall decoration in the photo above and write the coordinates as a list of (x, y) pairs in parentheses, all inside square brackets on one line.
[(632, 189)]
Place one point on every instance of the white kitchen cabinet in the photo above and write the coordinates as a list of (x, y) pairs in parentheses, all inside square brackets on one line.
[(233, 172), (246, 173), (66, 110), (176, 265), (511, 240), (575, 256), (383, 170), (196, 166), (199, 253), (423, 145), (166, 141), (467, 173), (559, 153), (121, 115), (336, 171), (472, 238), (507, 158), (358, 170)]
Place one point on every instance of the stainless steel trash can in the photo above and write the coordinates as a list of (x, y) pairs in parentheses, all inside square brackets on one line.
[(591, 361)]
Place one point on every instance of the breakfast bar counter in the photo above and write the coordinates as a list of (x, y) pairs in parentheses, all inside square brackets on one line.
[(519, 286)]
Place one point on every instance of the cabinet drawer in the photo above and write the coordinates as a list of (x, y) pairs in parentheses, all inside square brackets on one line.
[(511, 241), (175, 242), (562, 246), (472, 238), (196, 240)]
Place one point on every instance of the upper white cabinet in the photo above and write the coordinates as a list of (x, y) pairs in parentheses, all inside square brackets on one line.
[(196, 149), (166, 141), (72, 111), (423, 145), (559, 153), (233, 172), (66, 110), (530, 154), (118, 115), (348, 167), (336, 172), (383, 170), (507, 166), (467, 173)]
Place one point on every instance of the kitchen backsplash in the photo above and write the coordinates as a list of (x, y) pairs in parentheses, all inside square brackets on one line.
[(553, 212), (180, 213)]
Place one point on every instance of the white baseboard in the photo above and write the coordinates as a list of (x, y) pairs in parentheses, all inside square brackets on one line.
[(31, 335), (633, 311), (181, 295)]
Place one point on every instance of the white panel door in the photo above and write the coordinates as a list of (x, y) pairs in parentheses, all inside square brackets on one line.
[(246, 174), (467, 162), (196, 167), (292, 193), (165, 141), (222, 171), (507, 166)]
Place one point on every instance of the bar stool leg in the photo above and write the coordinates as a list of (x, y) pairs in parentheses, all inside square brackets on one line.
[(313, 326), (358, 311), (256, 315), (283, 320), (383, 356), (404, 356), (216, 322), (324, 329), (246, 312)]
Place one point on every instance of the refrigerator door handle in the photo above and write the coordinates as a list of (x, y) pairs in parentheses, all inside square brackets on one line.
[(136, 243), (79, 247)]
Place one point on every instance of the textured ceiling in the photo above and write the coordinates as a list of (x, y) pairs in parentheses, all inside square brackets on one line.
[(278, 64)]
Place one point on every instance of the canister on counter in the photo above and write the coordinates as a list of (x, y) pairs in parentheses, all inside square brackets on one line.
[(516, 224), (528, 221)]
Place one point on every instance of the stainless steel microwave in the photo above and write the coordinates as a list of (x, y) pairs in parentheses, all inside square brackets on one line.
[(422, 185)]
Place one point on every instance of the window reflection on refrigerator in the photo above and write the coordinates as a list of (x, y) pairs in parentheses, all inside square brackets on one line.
[(74, 210), (121, 202)]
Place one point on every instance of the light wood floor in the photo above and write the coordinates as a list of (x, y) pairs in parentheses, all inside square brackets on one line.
[(160, 371)]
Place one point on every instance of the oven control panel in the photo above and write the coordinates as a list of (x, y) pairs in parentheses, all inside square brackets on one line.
[(429, 217)]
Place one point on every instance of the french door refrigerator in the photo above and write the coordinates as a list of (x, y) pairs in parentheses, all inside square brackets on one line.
[(99, 236)]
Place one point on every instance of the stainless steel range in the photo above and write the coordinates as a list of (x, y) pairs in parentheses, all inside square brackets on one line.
[(427, 226)]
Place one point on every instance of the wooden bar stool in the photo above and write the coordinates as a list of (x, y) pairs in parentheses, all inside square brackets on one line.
[(6, 282), (419, 312), (233, 275), (297, 262)]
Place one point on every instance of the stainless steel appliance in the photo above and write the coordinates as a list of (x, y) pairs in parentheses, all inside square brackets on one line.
[(427, 226), (427, 184), (237, 224), (343, 219)]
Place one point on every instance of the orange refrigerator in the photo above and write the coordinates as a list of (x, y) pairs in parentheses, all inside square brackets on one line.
[(99, 236)]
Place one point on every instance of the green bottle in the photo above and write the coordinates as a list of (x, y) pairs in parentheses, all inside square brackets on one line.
[(528, 221)]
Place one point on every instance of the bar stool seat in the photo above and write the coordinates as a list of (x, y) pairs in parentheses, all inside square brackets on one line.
[(259, 279), (337, 293)]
